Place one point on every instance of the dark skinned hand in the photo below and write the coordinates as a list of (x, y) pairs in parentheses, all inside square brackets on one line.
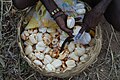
[(93, 17), (62, 23)]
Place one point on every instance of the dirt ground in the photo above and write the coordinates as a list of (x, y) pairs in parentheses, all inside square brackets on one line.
[(13, 66)]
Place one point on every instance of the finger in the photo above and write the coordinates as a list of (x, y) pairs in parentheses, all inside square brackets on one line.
[(112, 14), (67, 40), (80, 33)]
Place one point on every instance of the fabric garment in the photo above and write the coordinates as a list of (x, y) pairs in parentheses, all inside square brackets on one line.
[(41, 17)]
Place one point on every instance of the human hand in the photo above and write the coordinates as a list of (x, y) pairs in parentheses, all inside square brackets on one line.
[(93, 17), (62, 23)]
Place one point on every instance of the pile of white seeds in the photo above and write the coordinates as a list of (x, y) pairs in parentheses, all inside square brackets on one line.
[(43, 44)]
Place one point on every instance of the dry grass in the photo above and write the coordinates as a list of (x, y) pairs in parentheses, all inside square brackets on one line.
[(13, 67)]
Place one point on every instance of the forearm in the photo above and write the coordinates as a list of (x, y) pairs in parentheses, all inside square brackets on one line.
[(50, 5), (102, 5), (59, 16)]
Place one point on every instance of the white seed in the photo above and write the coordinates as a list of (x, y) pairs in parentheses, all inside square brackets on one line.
[(37, 62), (55, 52), (28, 49), (70, 63), (54, 41), (80, 11), (26, 33), (62, 55), (41, 43), (53, 55), (43, 67), (47, 38), (47, 59), (51, 30), (23, 36), (50, 68), (40, 46), (32, 39), (39, 56), (85, 39), (57, 63), (47, 50), (61, 42), (39, 37), (47, 35), (79, 51), (80, 6), (55, 45), (84, 58), (43, 30), (70, 22), (35, 31), (71, 46), (28, 42), (76, 30), (73, 56), (30, 31), (32, 56)]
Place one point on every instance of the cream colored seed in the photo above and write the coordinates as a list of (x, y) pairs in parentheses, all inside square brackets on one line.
[(70, 63), (51, 30), (32, 39), (28, 43), (81, 11), (70, 22), (32, 56), (39, 37), (28, 49), (73, 56), (50, 68), (39, 56), (71, 46), (40, 46), (79, 51), (26, 33), (84, 58), (47, 59), (57, 63), (37, 62), (23, 36), (54, 41)]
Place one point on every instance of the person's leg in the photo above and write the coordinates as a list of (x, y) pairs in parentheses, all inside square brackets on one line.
[(92, 3), (112, 14), (21, 4)]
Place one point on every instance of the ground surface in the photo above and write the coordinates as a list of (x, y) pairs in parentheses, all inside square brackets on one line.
[(13, 67)]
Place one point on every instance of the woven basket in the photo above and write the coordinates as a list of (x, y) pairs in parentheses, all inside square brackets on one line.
[(94, 52)]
